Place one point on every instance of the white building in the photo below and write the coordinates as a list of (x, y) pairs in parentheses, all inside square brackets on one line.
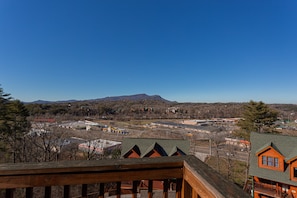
[(98, 146)]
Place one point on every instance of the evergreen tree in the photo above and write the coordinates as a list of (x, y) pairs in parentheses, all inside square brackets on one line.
[(257, 117), (19, 126), (13, 126), (4, 101)]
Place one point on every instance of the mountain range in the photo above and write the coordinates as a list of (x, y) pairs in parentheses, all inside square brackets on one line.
[(136, 97)]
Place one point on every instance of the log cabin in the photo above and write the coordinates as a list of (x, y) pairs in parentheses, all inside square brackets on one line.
[(273, 165)]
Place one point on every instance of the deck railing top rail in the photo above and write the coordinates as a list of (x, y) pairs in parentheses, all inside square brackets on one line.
[(81, 166)]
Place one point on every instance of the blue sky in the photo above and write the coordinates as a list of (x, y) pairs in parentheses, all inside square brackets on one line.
[(185, 51)]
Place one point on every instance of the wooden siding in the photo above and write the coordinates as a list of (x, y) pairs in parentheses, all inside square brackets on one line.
[(293, 165), (272, 153)]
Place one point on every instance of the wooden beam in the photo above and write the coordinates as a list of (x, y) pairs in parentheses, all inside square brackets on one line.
[(206, 182), (91, 166), (200, 186), (24, 181)]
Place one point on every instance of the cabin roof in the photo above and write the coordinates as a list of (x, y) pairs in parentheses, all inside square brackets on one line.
[(285, 145), (146, 145), (267, 146)]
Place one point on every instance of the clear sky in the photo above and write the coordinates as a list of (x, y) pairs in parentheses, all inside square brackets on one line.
[(185, 51)]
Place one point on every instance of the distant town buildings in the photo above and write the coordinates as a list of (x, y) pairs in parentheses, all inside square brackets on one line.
[(195, 128), (98, 146), (243, 144), (115, 130), (87, 125)]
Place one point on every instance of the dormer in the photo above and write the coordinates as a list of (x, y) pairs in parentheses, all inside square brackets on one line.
[(176, 152), (269, 157), (155, 150)]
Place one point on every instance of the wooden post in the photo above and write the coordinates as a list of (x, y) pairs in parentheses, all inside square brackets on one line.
[(134, 189), (165, 188), (84, 190), (187, 189), (101, 190), (118, 189), (179, 188), (29, 192), (9, 193), (66, 191), (48, 192), (150, 189)]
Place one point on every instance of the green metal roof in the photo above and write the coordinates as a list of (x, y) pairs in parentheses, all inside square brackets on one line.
[(292, 155), (285, 145), (145, 145), (266, 146)]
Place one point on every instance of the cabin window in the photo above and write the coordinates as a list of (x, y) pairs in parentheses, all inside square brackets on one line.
[(276, 162), (264, 160), (270, 161), (295, 172)]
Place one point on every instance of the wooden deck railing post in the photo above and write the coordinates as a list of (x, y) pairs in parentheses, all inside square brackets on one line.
[(101, 190), (84, 190), (29, 192), (179, 188), (150, 189), (187, 189), (165, 188), (118, 189), (66, 191), (134, 189), (9, 193), (48, 192)]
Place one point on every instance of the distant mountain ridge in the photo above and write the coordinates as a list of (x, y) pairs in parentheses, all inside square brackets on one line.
[(136, 97)]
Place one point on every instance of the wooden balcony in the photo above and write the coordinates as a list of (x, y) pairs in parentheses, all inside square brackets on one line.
[(192, 177), (267, 190)]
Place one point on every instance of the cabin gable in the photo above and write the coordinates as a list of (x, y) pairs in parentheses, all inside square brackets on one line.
[(270, 158), (133, 152)]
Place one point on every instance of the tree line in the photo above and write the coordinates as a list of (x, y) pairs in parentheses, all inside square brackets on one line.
[(131, 110)]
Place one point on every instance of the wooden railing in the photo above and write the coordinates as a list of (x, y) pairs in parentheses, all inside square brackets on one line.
[(192, 177), (267, 189)]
